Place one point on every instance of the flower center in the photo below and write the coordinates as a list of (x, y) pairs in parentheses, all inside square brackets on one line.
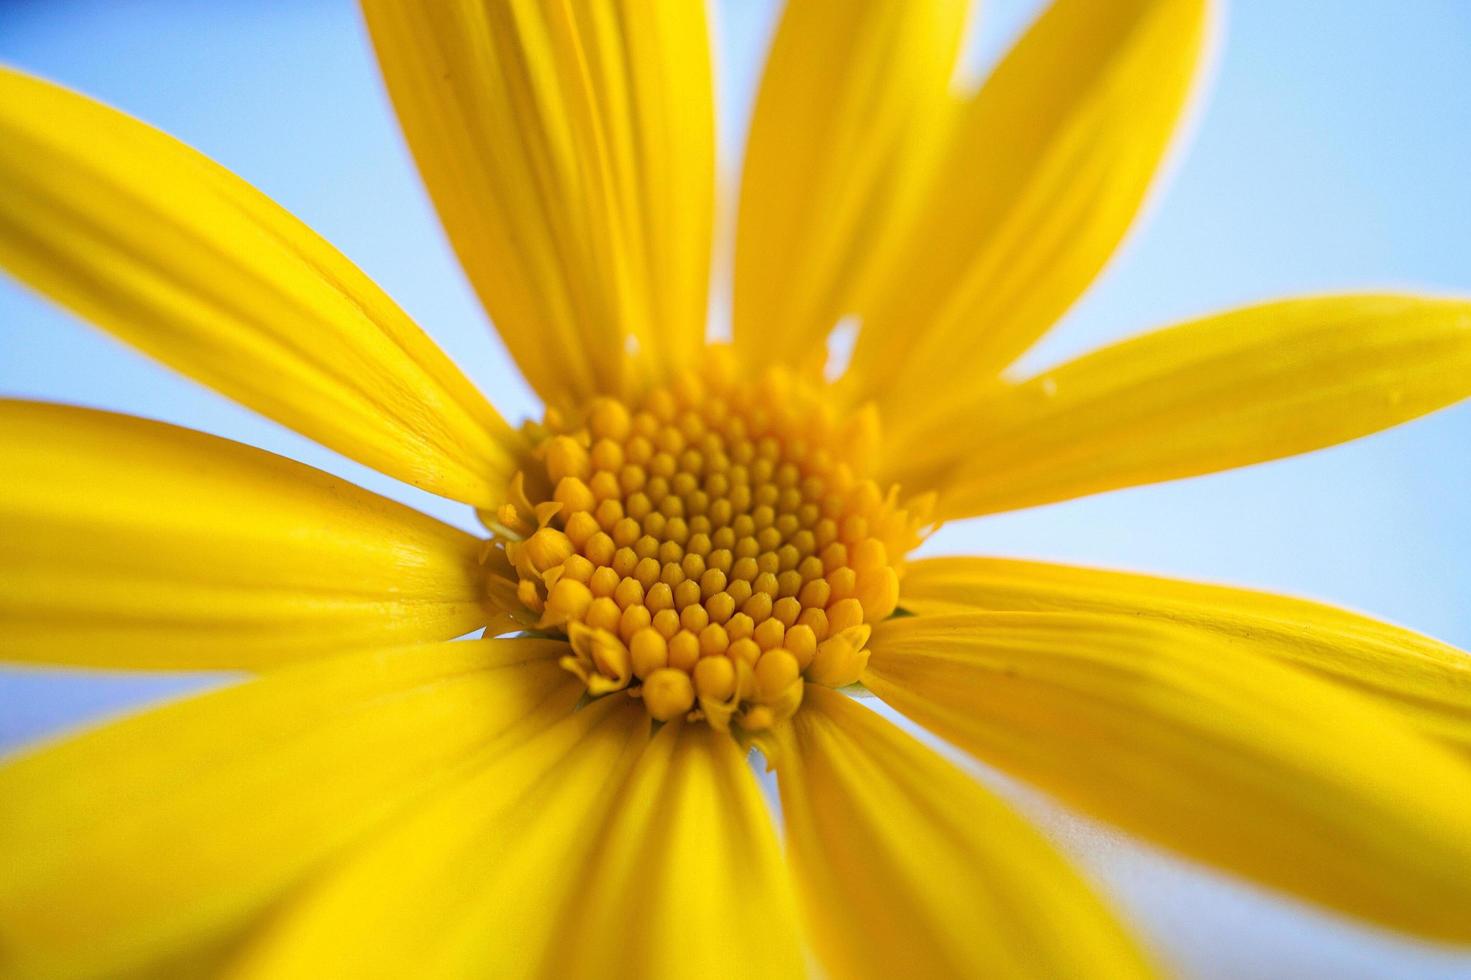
[(710, 547)]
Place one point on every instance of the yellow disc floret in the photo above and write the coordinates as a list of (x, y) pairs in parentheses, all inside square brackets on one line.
[(709, 548)]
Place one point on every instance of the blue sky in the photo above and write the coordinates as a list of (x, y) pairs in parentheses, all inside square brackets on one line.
[(1330, 153)]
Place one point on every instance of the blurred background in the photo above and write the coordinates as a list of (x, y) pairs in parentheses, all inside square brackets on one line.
[(1330, 152)]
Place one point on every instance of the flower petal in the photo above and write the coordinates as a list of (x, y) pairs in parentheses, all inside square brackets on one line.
[(1251, 385), (1429, 682), (1047, 168), (689, 880), (131, 543), (850, 115), (169, 833), (907, 867), (479, 881), (1208, 749), (570, 150), (190, 264)]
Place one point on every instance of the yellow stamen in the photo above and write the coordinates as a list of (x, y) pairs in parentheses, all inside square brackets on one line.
[(668, 693)]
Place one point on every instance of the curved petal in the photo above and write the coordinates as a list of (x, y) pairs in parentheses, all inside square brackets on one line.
[(850, 116), (907, 867), (130, 543), (185, 261), (1428, 681), (1046, 170), (171, 832), (569, 148), (478, 882), (1205, 748), (662, 855), (689, 880), (1251, 385)]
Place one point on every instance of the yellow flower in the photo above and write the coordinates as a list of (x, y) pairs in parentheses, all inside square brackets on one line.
[(697, 546)]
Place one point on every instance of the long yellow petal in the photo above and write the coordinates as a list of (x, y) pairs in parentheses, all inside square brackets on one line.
[(182, 259), (480, 882), (1204, 747), (569, 148), (851, 113), (129, 543), (1428, 681), (908, 868), (150, 840), (1045, 172), (689, 880), (1246, 386)]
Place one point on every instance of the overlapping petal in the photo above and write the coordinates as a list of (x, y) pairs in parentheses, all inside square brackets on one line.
[(907, 867), (1427, 681), (163, 838), (129, 543), (187, 262), (569, 148), (1246, 386), (1213, 751), (479, 881), (1045, 172), (688, 880), (851, 114)]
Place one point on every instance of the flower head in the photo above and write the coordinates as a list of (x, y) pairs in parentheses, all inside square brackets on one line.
[(699, 546), (719, 543)]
